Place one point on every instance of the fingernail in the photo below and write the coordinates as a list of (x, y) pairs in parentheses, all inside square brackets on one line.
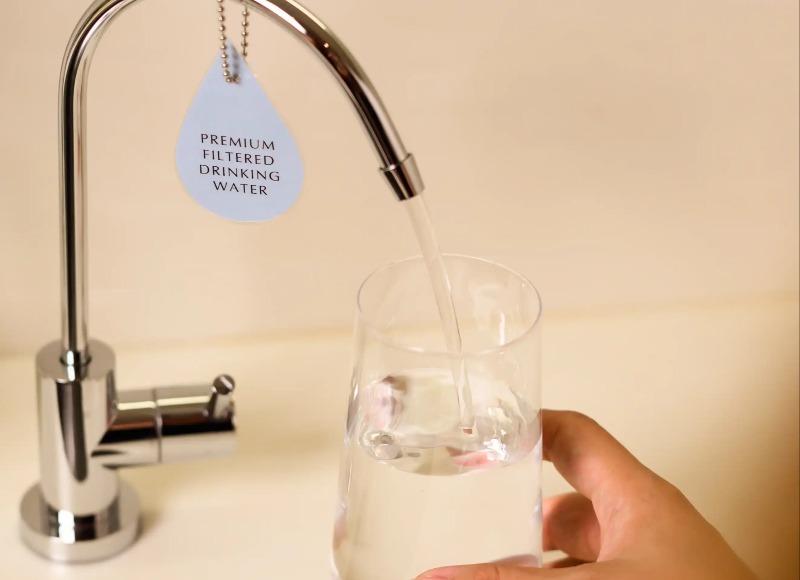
[(434, 575)]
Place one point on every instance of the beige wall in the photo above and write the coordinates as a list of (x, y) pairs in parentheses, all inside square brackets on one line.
[(618, 153), (637, 160)]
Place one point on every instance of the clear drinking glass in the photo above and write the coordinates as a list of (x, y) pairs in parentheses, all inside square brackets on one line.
[(418, 488)]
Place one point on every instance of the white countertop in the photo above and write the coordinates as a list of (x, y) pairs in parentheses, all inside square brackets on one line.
[(705, 395)]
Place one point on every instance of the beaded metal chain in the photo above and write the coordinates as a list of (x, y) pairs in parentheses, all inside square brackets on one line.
[(230, 77)]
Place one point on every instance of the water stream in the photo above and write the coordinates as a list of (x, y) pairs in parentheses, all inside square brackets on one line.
[(423, 227)]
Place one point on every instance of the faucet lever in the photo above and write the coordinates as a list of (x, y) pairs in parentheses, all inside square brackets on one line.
[(219, 405)]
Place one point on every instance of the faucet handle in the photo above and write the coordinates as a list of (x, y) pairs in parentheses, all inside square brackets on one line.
[(220, 404)]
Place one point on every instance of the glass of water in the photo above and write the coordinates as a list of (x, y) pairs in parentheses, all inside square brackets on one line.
[(419, 488)]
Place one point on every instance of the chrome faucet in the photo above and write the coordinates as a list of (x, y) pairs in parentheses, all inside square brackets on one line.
[(80, 510)]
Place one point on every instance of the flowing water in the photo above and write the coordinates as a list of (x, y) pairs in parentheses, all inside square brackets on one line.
[(420, 218)]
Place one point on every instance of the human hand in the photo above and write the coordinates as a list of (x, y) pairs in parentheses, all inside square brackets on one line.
[(625, 522)]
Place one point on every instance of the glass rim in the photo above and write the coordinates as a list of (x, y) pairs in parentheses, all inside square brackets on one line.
[(386, 339)]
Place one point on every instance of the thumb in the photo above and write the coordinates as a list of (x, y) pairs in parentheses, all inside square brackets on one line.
[(492, 572)]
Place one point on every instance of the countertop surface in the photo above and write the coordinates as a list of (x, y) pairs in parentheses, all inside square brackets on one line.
[(707, 395)]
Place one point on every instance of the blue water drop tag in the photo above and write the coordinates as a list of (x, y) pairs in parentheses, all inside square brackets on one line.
[(234, 155)]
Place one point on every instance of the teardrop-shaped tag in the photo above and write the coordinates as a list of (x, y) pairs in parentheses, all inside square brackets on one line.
[(235, 156)]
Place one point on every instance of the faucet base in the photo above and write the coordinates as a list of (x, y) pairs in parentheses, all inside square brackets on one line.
[(64, 537)]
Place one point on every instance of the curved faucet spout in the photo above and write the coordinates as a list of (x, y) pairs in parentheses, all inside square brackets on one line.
[(397, 164)]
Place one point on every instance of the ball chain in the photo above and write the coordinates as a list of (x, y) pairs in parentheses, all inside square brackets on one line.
[(230, 77)]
